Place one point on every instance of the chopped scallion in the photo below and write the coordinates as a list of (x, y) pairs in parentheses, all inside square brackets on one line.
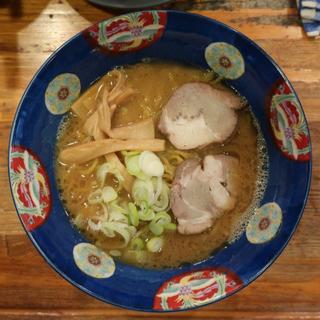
[(155, 244), (137, 244), (133, 214)]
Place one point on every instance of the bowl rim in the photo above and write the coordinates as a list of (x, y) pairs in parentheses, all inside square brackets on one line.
[(244, 283)]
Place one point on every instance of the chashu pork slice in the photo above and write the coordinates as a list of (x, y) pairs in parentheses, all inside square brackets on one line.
[(198, 114), (202, 192)]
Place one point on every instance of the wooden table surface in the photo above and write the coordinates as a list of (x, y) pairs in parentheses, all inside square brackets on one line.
[(29, 289)]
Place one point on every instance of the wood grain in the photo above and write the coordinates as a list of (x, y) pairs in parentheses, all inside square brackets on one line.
[(29, 289)]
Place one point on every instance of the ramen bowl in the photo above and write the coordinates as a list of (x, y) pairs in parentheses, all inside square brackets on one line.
[(184, 38)]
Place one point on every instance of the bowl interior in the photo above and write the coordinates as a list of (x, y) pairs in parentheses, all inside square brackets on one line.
[(183, 38)]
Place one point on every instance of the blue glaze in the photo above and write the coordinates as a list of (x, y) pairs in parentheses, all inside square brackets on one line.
[(184, 40)]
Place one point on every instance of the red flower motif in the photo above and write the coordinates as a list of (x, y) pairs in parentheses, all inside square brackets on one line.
[(94, 259), (225, 62), (264, 223), (63, 93)]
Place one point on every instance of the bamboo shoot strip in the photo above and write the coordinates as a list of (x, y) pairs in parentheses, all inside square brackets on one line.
[(87, 151), (141, 130)]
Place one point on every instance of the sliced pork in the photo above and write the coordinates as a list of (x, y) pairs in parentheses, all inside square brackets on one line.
[(198, 114), (202, 191)]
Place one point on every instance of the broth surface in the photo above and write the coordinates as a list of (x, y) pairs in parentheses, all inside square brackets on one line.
[(155, 83)]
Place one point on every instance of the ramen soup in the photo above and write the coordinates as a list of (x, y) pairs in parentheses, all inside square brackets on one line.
[(160, 165)]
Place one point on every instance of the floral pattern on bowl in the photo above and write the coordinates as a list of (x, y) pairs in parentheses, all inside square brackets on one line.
[(264, 224), (61, 92), (130, 32), (225, 60), (30, 186), (93, 261), (288, 123), (195, 289)]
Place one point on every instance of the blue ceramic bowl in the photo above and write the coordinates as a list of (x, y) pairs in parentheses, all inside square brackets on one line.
[(190, 39)]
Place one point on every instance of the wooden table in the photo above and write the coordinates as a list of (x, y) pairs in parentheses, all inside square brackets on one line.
[(29, 289)]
